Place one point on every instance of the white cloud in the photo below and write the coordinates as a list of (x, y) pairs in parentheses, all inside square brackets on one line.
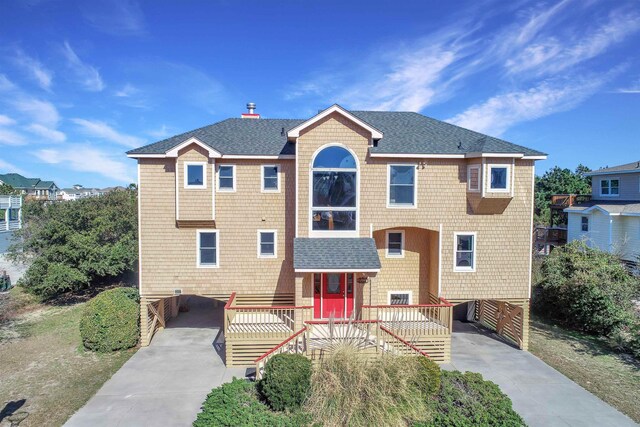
[(49, 134), (35, 69), (553, 54), (89, 75), (10, 137), (6, 120), (115, 17), (5, 83), (102, 130), (495, 115), (126, 91), (42, 112), (160, 133), (83, 158)]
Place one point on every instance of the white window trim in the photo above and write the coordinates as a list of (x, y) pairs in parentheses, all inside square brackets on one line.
[(508, 178), (202, 186), (401, 244), (275, 244), (334, 233), (609, 179), (478, 167), (410, 293), (415, 187), (475, 251), (269, 190), (217, 233), (227, 190)]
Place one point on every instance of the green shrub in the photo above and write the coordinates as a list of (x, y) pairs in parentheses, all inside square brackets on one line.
[(237, 404), (348, 388), (468, 400), (74, 245), (110, 321), (427, 376), (286, 382), (586, 289)]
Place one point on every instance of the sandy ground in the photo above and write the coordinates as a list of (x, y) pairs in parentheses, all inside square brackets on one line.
[(15, 271)]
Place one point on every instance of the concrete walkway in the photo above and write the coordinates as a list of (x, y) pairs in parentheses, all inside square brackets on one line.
[(540, 394), (165, 384)]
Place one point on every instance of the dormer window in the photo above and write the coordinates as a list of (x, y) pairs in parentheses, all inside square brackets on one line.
[(334, 190)]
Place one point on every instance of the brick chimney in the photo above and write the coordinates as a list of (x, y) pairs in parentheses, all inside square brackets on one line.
[(250, 114)]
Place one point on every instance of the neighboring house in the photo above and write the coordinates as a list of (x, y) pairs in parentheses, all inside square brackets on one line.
[(610, 221), (10, 212), (391, 218), (79, 192), (31, 188)]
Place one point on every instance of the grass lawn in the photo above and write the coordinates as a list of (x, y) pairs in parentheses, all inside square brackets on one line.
[(42, 361), (613, 377)]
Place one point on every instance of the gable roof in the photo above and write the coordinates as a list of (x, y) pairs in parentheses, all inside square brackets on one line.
[(20, 182), (626, 168), (353, 254), (335, 108), (403, 133), (611, 207)]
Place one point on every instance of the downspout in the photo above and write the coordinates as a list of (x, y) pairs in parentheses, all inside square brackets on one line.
[(440, 262)]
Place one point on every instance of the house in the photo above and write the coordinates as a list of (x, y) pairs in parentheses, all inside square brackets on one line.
[(31, 188), (388, 218), (610, 221)]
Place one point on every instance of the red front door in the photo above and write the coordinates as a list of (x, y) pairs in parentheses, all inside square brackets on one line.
[(333, 295)]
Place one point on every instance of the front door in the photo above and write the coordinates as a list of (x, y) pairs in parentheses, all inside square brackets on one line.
[(333, 295)]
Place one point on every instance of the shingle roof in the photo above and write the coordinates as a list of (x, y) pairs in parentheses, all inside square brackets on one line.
[(347, 254), (612, 207), (404, 133), (44, 185), (18, 181), (633, 166)]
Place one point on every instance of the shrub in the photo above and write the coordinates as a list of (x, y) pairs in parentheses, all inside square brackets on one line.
[(237, 404), (585, 288), (347, 388), (468, 400), (110, 321), (74, 245), (427, 376), (286, 381)]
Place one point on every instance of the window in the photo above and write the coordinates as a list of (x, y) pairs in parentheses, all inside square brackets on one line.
[(13, 214), (270, 179), (402, 186), (610, 187), (333, 283), (207, 248), (395, 244), (464, 252), (473, 178), (195, 175), (499, 178), (267, 241), (400, 297), (585, 223), (334, 190), (227, 178)]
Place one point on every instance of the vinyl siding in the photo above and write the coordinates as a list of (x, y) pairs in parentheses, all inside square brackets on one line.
[(598, 234), (629, 186)]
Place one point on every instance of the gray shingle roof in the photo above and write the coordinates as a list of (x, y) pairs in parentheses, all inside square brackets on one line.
[(613, 206), (347, 254), (404, 133), (633, 166)]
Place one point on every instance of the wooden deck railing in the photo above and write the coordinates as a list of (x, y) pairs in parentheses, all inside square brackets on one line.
[(262, 321), (413, 319), (296, 344), (399, 345), (559, 201)]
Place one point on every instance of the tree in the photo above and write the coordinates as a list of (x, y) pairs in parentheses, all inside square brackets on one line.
[(559, 181), (71, 246), (7, 190)]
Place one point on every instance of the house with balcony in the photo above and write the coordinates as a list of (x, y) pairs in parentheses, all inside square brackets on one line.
[(380, 221), (610, 220), (31, 188)]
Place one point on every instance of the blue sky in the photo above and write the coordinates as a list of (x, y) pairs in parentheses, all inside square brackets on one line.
[(81, 82)]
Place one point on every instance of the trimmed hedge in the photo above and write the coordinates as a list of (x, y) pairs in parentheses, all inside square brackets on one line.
[(110, 321), (467, 400), (237, 404), (287, 381)]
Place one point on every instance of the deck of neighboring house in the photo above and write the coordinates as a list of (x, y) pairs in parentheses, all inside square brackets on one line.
[(545, 238), (10, 213)]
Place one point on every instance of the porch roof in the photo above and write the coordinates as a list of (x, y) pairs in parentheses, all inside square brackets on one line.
[(357, 254)]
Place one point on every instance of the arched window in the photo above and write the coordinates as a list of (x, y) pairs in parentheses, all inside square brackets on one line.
[(334, 186)]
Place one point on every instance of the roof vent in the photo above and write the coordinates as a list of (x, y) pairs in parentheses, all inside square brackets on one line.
[(250, 114)]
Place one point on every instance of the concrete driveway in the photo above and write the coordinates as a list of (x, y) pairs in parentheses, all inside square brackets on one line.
[(165, 384), (540, 394)]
